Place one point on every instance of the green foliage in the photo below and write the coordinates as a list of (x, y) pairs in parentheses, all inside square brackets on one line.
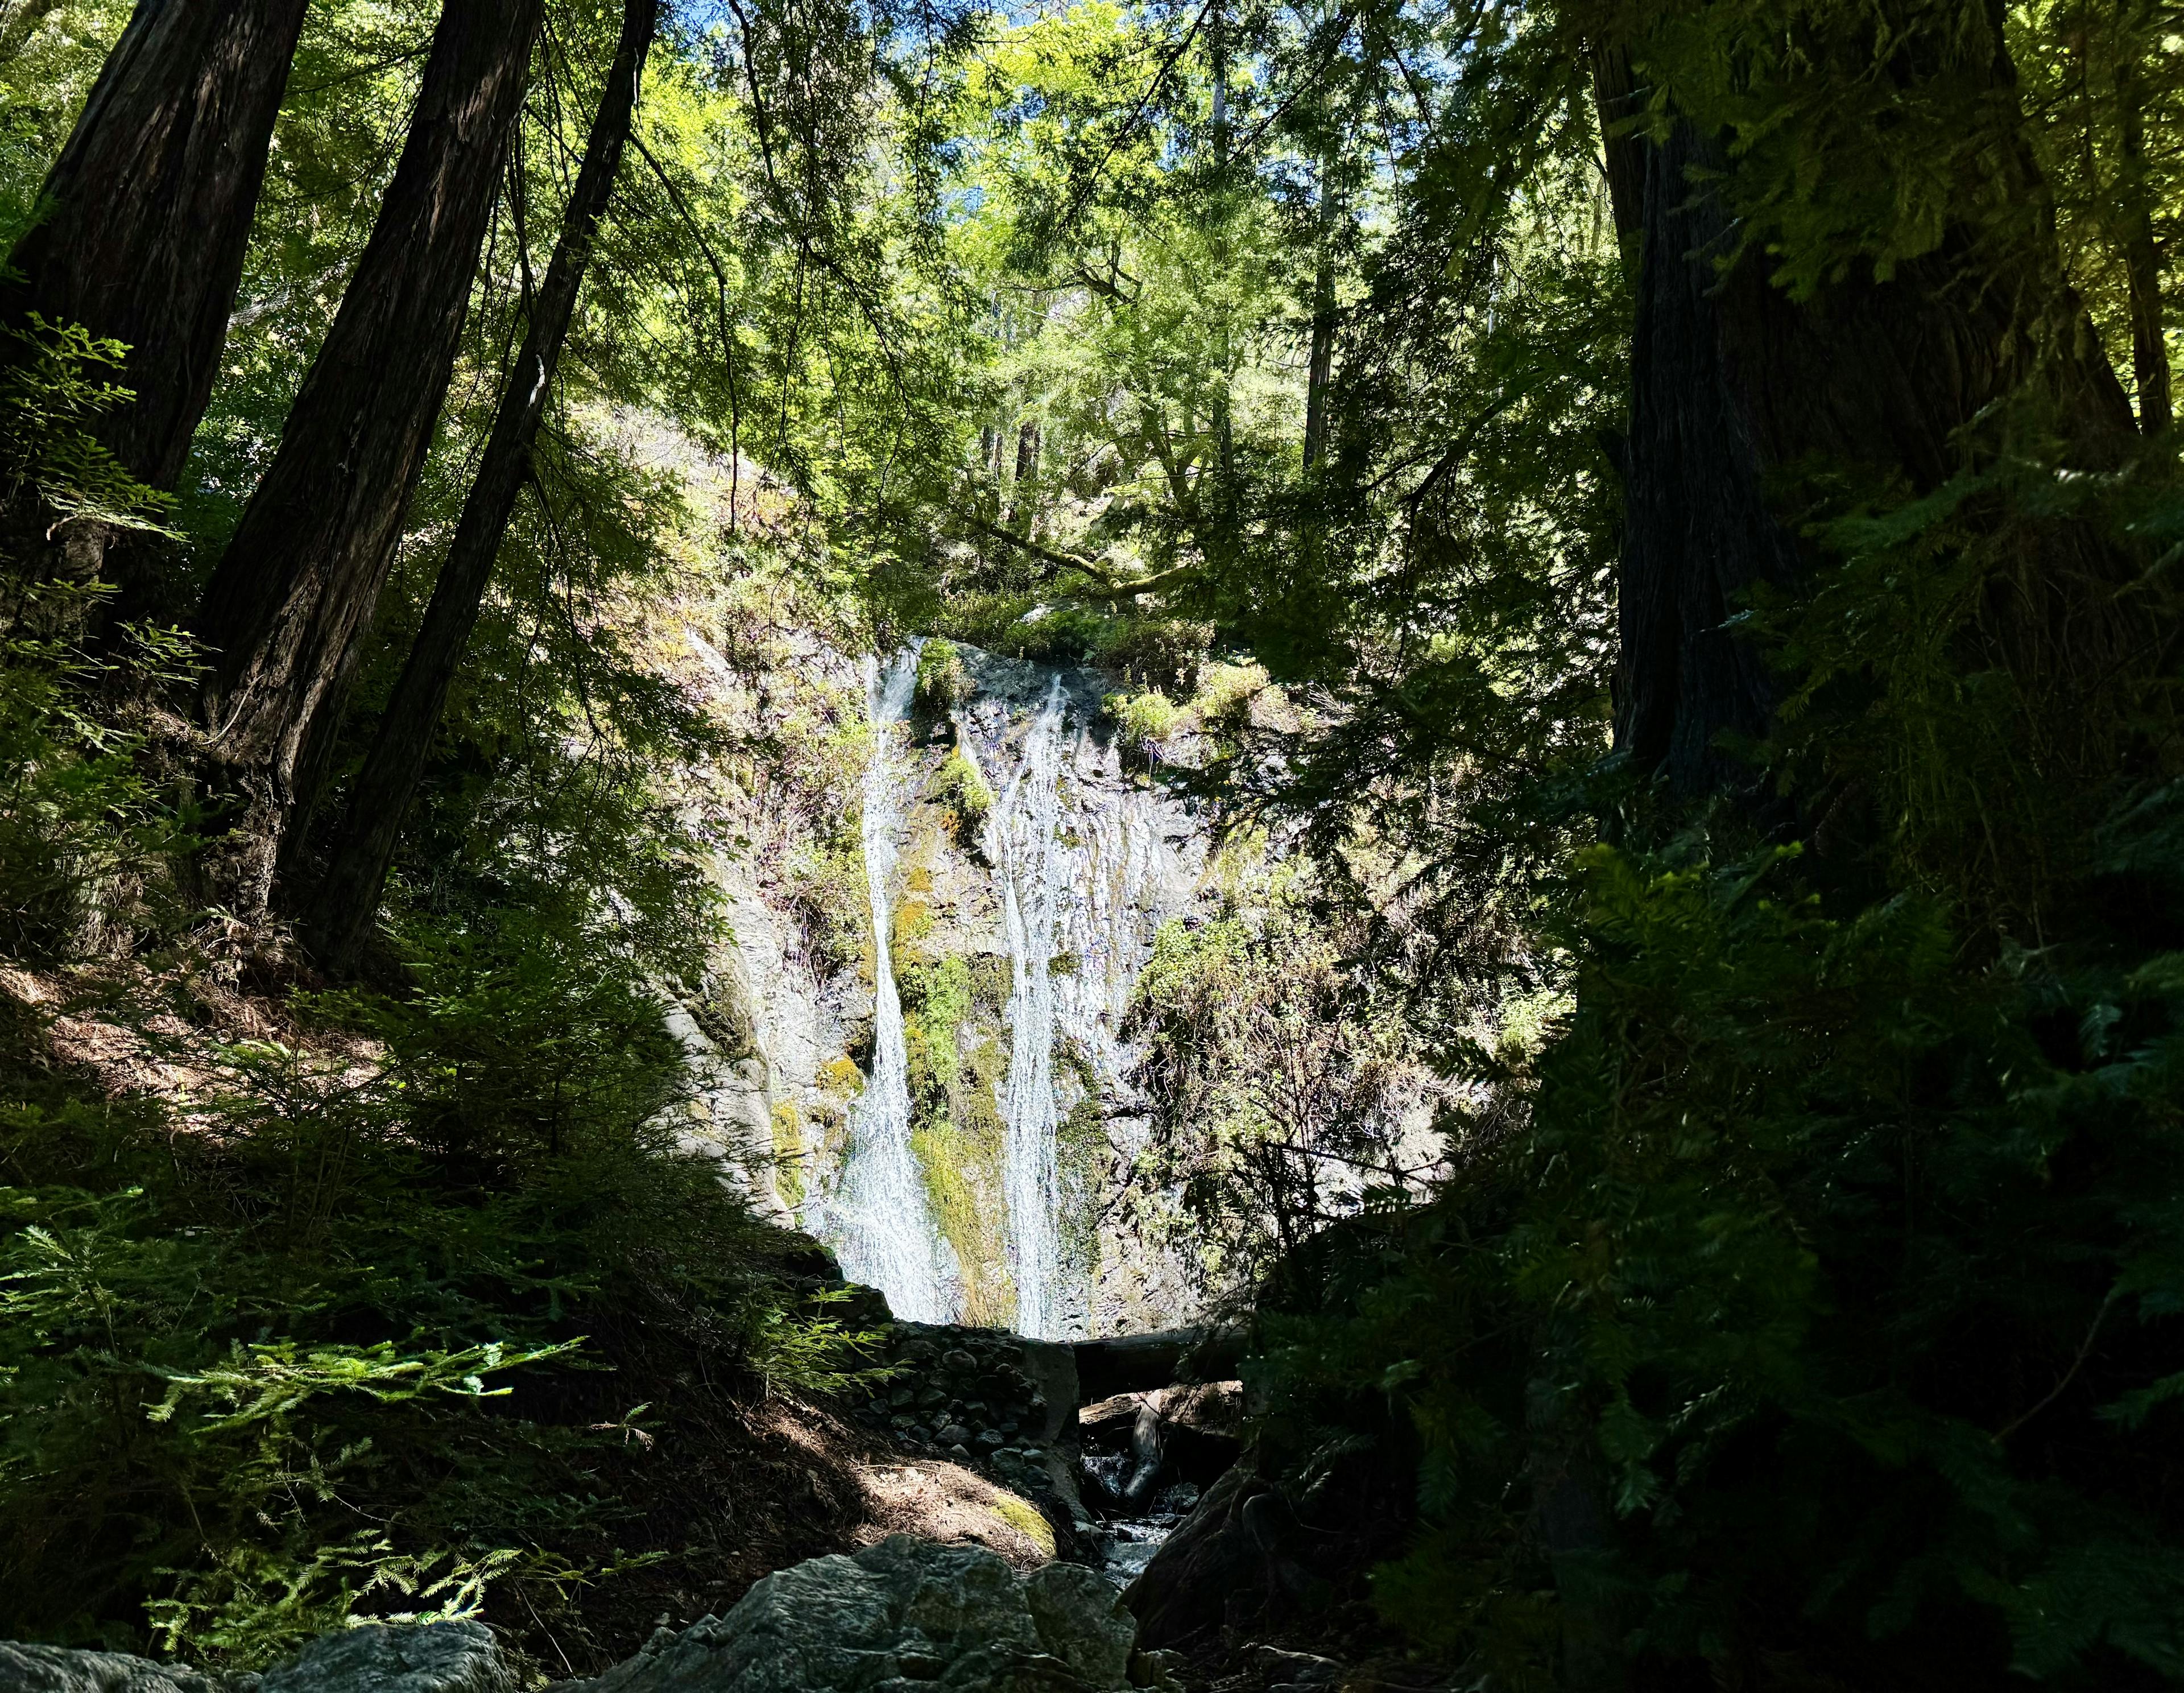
[(84, 840), (1280, 1089), (1142, 722), (826, 894), (940, 995), (1159, 653), (319, 1343), (1814, 1215), (53, 387), (961, 788), (1856, 1277), (944, 683)]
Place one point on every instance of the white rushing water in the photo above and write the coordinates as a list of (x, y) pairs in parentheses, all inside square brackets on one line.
[(1023, 840), (1080, 877), (883, 1232), (1079, 861)]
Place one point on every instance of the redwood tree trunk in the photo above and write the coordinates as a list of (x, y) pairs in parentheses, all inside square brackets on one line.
[(149, 209), (296, 589), (2149, 345), (1733, 385), (1319, 367), (341, 912), (1020, 504)]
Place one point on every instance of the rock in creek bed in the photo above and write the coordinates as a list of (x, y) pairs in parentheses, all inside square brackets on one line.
[(902, 1617), (431, 1658), (997, 1402)]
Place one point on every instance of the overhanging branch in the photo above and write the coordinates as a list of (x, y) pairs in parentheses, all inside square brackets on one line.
[(1111, 585)]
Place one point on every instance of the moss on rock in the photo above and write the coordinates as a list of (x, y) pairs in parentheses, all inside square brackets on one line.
[(960, 1187), (964, 795), (790, 1150)]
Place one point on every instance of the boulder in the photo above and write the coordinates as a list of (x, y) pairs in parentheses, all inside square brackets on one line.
[(396, 1657), (904, 1615), (1080, 1620), (26, 1669), (378, 1657)]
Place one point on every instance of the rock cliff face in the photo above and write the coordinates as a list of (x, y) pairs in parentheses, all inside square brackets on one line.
[(944, 1097)]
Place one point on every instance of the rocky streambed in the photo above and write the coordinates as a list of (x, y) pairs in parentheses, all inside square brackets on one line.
[(1141, 1533), (904, 1615), (1110, 1478)]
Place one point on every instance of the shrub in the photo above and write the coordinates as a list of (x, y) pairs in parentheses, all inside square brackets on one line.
[(53, 386), (1225, 694), (81, 833), (961, 788), (1165, 653), (1142, 722), (943, 681), (335, 1339), (824, 891), (1851, 1276)]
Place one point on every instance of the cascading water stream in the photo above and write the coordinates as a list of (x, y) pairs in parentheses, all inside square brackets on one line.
[(883, 1233), (1081, 874), (1022, 839), (1079, 869)]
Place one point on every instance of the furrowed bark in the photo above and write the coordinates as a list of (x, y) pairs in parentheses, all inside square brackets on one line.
[(1021, 500), (2149, 346), (1622, 155), (340, 913), (295, 591), (149, 208), (1734, 383)]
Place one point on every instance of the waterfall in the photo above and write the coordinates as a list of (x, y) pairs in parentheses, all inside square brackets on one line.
[(1022, 839), (878, 1215), (1080, 872), (1075, 872)]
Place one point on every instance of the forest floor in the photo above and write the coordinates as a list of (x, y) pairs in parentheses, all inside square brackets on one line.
[(714, 1479), (712, 1482)]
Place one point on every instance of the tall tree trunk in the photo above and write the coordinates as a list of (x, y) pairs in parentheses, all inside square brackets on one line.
[(1019, 499), (340, 913), (2149, 346), (296, 589), (1320, 365), (1224, 433), (149, 208), (1733, 383)]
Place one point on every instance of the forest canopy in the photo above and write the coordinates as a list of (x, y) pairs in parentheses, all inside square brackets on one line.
[(1659, 523)]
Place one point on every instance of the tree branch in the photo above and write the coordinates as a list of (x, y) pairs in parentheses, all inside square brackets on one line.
[(1111, 585)]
